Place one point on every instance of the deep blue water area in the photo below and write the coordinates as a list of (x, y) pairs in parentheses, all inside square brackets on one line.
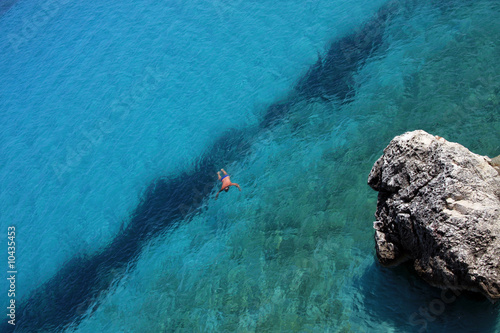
[(116, 117)]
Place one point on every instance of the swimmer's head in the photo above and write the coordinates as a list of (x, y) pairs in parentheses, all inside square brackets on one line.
[(226, 189)]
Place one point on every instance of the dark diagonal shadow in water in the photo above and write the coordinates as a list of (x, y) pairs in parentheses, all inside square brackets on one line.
[(399, 297), (5, 5), (67, 296), (332, 76), (70, 293)]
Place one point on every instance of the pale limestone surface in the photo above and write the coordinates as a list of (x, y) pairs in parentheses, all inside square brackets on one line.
[(439, 206)]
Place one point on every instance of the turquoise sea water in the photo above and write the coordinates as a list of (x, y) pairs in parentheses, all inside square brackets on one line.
[(102, 104)]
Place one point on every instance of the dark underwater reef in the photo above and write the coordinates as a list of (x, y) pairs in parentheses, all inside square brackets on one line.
[(5, 5), (70, 293)]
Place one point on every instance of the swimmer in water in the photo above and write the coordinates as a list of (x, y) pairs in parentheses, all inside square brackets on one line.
[(226, 182)]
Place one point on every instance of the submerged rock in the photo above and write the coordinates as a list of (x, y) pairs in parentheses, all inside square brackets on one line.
[(439, 206)]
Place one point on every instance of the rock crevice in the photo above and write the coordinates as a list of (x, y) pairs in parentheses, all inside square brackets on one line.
[(439, 207)]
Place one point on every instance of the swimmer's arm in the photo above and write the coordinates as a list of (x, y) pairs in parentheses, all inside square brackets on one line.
[(217, 194), (238, 186)]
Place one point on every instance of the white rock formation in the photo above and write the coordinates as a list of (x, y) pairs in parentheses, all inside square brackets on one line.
[(439, 206)]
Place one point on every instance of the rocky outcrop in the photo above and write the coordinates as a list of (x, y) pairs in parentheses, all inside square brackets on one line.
[(439, 206)]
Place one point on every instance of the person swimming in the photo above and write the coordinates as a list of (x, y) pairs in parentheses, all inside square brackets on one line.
[(226, 182)]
